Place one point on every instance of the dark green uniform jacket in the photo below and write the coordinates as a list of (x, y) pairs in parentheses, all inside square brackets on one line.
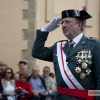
[(90, 82)]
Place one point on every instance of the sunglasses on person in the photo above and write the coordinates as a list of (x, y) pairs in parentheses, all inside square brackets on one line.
[(8, 72)]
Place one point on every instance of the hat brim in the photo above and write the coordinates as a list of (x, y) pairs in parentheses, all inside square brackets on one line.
[(76, 14)]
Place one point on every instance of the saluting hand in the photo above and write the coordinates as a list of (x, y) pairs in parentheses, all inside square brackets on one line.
[(52, 25)]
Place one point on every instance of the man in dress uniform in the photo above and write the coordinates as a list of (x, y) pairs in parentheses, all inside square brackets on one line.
[(76, 59)]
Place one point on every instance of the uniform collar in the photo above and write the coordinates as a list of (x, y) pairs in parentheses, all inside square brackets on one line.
[(77, 38)]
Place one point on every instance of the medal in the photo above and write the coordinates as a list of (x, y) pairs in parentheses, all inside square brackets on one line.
[(79, 60), (89, 54), (82, 75), (86, 61), (88, 71), (81, 55), (89, 62), (85, 56), (84, 65), (77, 70)]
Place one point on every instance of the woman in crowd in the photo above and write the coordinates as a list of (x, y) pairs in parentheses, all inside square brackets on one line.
[(23, 87), (8, 84)]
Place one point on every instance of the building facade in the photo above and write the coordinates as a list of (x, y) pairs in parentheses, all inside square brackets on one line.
[(19, 20)]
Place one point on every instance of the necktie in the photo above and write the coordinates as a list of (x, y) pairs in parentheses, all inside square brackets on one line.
[(70, 45)]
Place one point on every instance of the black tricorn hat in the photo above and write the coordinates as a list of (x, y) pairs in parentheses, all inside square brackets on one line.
[(76, 14)]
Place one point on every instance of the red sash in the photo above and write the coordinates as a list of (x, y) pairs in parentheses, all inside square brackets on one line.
[(83, 94)]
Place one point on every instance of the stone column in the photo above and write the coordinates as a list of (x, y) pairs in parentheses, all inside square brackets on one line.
[(29, 34)]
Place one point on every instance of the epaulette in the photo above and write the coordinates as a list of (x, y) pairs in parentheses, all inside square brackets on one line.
[(93, 39)]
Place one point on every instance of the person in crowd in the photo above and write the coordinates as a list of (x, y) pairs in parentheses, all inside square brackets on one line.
[(37, 84), (52, 75), (23, 87), (16, 76), (8, 83), (23, 65), (4, 66), (50, 83), (1, 90), (76, 59)]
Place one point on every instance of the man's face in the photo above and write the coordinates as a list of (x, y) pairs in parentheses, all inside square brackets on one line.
[(22, 68), (46, 72), (70, 28), (35, 71)]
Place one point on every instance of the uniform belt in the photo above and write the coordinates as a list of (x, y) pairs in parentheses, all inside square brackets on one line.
[(83, 94)]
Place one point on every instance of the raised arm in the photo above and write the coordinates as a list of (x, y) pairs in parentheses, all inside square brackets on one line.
[(39, 50)]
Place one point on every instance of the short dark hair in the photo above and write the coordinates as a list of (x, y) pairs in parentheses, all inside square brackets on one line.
[(80, 20), (46, 67), (22, 62), (51, 74), (25, 75)]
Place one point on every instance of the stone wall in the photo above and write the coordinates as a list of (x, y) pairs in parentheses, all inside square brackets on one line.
[(29, 34)]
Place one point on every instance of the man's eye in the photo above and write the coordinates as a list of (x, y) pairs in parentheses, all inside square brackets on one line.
[(67, 22)]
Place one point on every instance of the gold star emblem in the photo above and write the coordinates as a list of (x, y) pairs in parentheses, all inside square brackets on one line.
[(77, 70), (79, 60)]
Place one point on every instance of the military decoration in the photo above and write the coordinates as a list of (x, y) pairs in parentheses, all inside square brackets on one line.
[(84, 65), (84, 59), (77, 70), (89, 55), (88, 71), (79, 60), (82, 76)]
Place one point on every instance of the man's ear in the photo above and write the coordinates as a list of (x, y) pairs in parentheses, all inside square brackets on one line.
[(80, 25)]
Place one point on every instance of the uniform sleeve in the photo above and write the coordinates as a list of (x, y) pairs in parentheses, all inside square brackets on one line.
[(96, 64), (39, 50)]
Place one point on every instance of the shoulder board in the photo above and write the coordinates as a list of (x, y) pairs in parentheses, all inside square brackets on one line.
[(62, 40), (93, 39)]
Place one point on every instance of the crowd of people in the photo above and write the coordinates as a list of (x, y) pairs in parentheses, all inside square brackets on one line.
[(31, 86)]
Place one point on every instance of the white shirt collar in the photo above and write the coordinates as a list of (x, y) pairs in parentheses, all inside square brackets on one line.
[(77, 38)]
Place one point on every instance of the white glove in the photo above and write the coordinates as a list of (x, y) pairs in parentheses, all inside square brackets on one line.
[(52, 25)]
